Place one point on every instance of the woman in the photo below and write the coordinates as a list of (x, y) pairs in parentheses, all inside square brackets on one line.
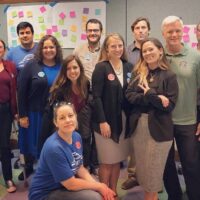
[(109, 81), (72, 86), (35, 80), (60, 174), (8, 111), (153, 93)]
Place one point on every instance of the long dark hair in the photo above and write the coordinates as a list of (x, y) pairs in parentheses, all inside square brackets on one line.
[(63, 83)]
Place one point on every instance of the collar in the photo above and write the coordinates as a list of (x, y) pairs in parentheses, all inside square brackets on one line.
[(183, 51), (133, 47), (98, 47)]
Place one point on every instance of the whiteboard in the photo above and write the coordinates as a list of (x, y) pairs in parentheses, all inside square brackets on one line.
[(65, 21)]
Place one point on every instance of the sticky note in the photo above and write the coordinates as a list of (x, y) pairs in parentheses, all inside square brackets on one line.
[(42, 9), (21, 14), (194, 45), (10, 22), (36, 36), (73, 28), (14, 34), (83, 36), (73, 38), (186, 29), (83, 26), (49, 32), (72, 14), (57, 35), (61, 22), (186, 38), (42, 35), (43, 27), (12, 29), (29, 14), (40, 19), (97, 11), (14, 14), (85, 10), (64, 32), (14, 43), (55, 28), (62, 15), (84, 18)]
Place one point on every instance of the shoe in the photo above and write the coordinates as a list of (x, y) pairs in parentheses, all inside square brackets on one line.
[(11, 187), (129, 183), (28, 172)]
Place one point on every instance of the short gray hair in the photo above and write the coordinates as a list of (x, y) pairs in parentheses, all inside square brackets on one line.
[(169, 20)]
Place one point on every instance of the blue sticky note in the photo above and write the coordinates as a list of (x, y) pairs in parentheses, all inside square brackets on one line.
[(97, 11)]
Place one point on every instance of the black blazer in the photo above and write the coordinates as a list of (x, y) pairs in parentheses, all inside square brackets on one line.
[(159, 118), (109, 97)]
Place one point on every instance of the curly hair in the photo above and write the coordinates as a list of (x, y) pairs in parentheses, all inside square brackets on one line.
[(39, 54)]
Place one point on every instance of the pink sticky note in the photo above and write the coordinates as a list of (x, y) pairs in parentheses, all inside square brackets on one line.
[(49, 32), (62, 15), (64, 32), (54, 28), (72, 14), (186, 38), (21, 14), (186, 29), (83, 36), (42, 9), (194, 45)]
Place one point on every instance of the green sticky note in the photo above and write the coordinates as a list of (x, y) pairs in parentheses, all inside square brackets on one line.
[(73, 38), (97, 11), (61, 22), (57, 35), (36, 36), (43, 27), (41, 19), (12, 29), (14, 14)]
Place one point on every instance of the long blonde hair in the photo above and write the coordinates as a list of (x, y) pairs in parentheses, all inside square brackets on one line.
[(141, 69), (104, 54)]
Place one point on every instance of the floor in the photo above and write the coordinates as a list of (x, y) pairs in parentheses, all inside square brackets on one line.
[(132, 194)]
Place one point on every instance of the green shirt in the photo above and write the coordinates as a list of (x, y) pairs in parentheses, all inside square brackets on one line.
[(186, 66)]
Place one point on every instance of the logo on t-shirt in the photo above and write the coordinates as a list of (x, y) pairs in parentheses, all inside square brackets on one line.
[(78, 145)]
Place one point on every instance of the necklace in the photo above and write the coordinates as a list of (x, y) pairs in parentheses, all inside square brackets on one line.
[(151, 77), (118, 70)]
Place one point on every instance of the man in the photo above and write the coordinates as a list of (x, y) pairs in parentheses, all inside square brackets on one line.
[(198, 36), (185, 62), (89, 53), (140, 29), (20, 55)]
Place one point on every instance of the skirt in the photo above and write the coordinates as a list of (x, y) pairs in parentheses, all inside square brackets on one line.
[(150, 157), (28, 137), (110, 152)]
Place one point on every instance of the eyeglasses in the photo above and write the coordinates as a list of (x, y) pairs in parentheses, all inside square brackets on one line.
[(93, 30), (62, 103)]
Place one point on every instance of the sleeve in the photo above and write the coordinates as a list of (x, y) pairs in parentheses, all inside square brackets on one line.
[(98, 81), (24, 89), (9, 55), (134, 94), (170, 91), (58, 164)]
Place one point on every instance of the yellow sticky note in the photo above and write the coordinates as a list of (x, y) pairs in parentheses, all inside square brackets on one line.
[(10, 22), (73, 28), (42, 35), (84, 18), (37, 37), (29, 14), (83, 26), (41, 19)]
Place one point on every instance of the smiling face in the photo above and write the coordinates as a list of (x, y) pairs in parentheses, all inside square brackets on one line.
[(173, 33), (49, 51), (93, 33), (115, 48), (140, 31), (151, 54), (26, 37), (73, 71), (65, 119)]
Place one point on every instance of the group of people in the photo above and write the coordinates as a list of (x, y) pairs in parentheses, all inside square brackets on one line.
[(98, 106)]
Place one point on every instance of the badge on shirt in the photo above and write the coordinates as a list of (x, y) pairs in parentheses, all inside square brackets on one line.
[(111, 77), (78, 145), (128, 77), (41, 74), (87, 57)]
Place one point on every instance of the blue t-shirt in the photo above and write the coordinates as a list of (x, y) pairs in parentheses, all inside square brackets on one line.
[(58, 161), (51, 73), (21, 56)]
